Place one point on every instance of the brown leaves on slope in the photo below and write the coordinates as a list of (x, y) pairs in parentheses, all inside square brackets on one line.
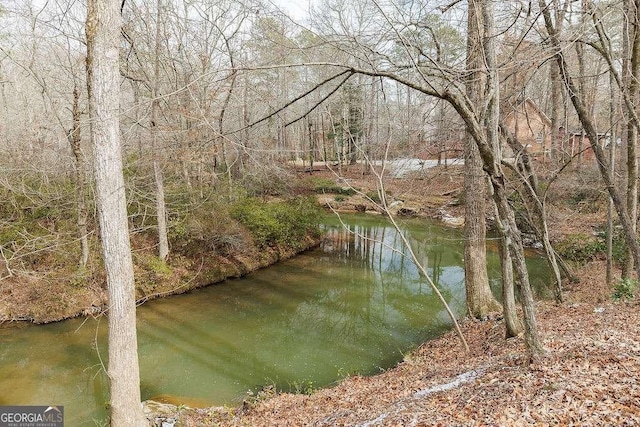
[(590, 375)]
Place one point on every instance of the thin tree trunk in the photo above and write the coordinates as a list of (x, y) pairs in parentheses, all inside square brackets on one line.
[(506, 219), (161, 212), (581, 88), (612, 162), (245, 124), (103, 36), (631, 73), (536, 211), (556, 145), (80, 178), (512, 324), (557, 96), (223, 110), (511, 235)]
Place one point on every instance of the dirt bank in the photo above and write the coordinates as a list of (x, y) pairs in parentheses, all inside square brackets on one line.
[(52, 297)]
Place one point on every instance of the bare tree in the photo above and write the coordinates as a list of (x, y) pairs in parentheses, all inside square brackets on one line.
[(480, 301), (588, 123), (630, 76), (417, 68), (161, 211), (103, 40)]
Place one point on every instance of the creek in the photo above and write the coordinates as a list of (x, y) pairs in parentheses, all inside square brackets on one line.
[(355, 305)]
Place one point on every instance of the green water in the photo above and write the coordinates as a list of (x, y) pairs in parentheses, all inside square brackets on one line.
[(355, 305)]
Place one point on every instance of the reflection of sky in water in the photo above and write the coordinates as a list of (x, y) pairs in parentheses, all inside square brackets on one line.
[(353, 306)]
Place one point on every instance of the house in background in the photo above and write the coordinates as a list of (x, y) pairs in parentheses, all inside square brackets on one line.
[(531, 126), (576, 144)]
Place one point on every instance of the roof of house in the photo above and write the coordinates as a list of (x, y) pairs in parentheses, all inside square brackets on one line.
[(528, 102)]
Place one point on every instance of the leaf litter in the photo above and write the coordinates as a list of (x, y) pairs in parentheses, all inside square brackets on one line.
[(588, 376)]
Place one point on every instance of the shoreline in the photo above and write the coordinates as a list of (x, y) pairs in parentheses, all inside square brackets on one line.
[(92, 300)]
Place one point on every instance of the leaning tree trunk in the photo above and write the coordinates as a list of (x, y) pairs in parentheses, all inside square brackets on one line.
[(103, 81), (612, 163), (536, 211), (588, 124), (510, 233), (506, 219), (506, 216)]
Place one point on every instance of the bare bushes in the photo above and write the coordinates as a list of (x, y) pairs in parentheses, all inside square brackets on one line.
[(36, 224), (581, 190), (267, 180), (208, 226)]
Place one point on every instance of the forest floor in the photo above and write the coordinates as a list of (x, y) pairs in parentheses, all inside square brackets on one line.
[(588, 375)]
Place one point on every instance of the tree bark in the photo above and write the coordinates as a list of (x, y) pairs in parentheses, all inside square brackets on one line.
[(103, 33), (512, 324), (631, 73), (506, 220), (557, 150), (161, 211), (80, 177), (513, 242), (612, 162), (480, 301)]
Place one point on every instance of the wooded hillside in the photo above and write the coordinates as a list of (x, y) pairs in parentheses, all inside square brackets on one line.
[(137, 135)]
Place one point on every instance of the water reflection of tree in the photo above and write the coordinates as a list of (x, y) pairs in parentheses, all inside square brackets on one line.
[(392, 290)]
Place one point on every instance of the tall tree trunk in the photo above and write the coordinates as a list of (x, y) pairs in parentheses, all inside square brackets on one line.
[(556, 87), (161, 211), (631, 73), (612, 162), (480, 301), (244, 164), (221, 117), (103, 36), (513, 243), (581, 86), (506, 218), (557, 104)]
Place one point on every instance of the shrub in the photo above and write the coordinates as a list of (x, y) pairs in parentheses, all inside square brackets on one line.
[(38, 218), (624, 289), (619, 248), (374, 196), (267, 181), (158, 266), (209, 226), (582, 191), (580, 247), (325, 185), (276, 223)]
